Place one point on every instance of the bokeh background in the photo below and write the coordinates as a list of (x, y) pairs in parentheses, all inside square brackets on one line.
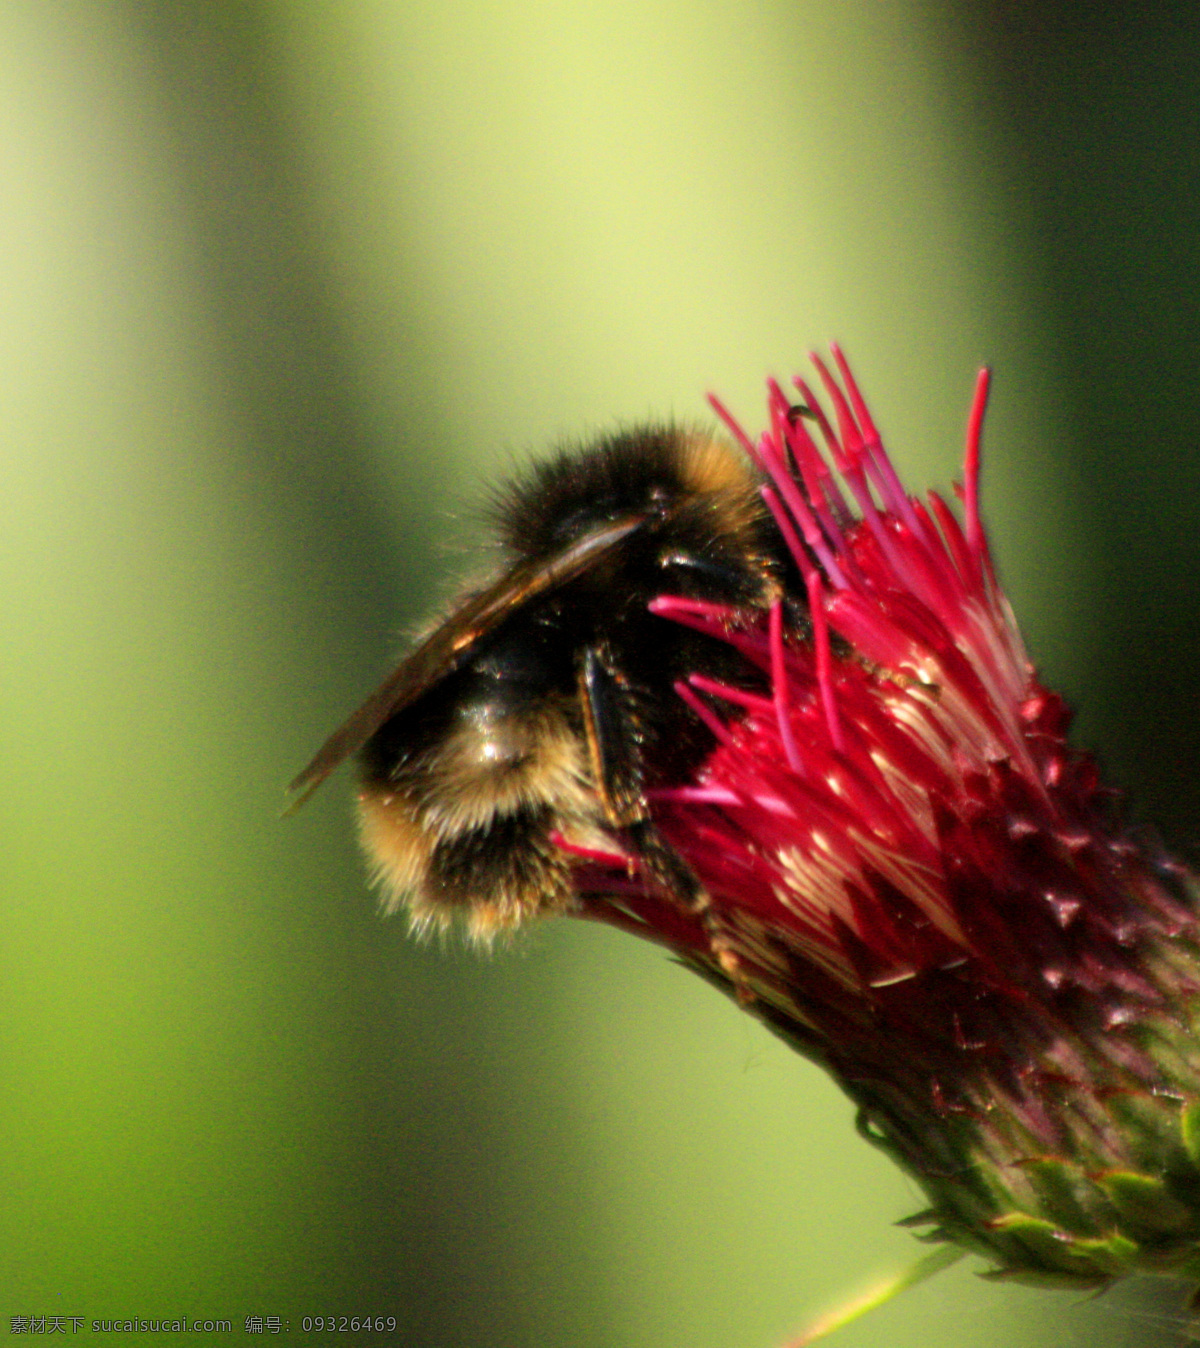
[(280, 284)]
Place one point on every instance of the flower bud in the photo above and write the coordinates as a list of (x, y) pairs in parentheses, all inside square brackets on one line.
[(911, 877)]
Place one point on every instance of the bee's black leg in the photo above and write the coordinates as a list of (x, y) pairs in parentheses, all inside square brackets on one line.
[(614, 741), (614, 738), (668, 868)]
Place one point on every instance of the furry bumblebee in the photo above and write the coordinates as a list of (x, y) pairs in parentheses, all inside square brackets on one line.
[(542, 708)]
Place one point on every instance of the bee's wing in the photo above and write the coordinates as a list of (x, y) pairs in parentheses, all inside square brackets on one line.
[(448, 646)]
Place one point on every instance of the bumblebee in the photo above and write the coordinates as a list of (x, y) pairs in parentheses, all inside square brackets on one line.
[(542, 708)]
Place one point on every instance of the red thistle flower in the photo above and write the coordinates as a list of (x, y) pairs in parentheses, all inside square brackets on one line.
[(919, 884)]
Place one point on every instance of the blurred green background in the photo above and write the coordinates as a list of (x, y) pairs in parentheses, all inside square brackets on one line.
[(281, 284)]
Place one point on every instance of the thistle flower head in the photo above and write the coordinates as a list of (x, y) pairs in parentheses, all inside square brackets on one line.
[(914, 879)]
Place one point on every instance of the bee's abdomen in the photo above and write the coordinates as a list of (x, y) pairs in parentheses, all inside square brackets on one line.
[(459, 822)]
